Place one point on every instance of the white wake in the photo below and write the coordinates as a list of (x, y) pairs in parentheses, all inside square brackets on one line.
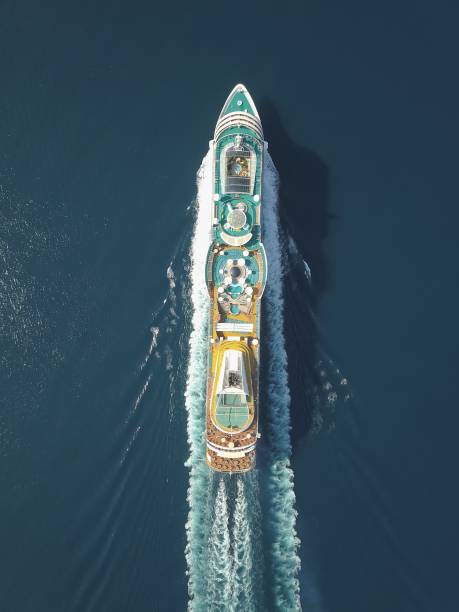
[(284, 544)]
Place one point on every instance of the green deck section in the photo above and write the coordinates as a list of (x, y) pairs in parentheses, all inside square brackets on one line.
[(238, 103), (253, 243), (223, 208), (221, 260), (227, 202), (232, 410)]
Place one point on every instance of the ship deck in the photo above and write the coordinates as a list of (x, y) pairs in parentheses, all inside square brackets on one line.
[(235, 272)]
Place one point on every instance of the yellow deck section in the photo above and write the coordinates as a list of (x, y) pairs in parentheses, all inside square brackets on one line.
[(234, 444), (217, 360)]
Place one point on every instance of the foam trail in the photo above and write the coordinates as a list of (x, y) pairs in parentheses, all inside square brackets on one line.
[(142, 393), (172, 295), (154, 339), (283, 547), (247, 561), (219, 576), (200, 479), (167, 320), (307, 270)]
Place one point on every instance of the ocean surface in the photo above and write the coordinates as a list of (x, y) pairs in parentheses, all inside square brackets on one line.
[(106, 110)]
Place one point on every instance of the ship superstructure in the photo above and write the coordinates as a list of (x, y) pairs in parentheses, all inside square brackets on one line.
[(236, 277)]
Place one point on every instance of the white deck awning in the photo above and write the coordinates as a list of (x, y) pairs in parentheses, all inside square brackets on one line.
[(244, 328)]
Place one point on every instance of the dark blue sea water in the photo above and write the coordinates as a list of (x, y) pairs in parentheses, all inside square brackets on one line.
[(106, 110)]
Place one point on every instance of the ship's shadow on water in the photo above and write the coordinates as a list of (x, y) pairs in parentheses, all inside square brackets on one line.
[(304, 201)]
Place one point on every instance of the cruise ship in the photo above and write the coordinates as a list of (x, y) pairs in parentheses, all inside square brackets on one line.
[(236, 273)]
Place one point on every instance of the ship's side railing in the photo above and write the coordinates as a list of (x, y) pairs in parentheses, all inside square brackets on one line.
[(238, 119)]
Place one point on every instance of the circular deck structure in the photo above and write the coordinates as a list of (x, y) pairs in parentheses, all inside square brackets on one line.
[(237, 219)]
